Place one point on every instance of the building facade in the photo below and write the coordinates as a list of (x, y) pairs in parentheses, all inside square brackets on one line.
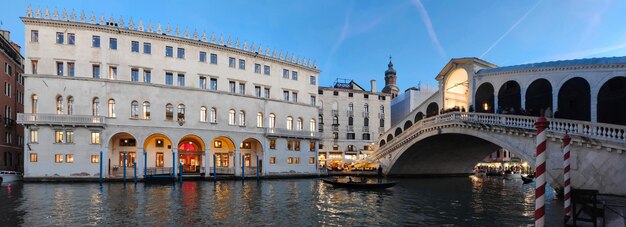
[(350, 120), (128, 97), (12, 102)]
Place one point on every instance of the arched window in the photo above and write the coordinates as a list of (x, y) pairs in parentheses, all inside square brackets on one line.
[(289, 123), (350, 121), (95, 106), (111, 112), (59, 104), (70, 105), (312, 125), (366, 108), (259, 120), (366, 122), (299, 124), (203, 114), (272, 119), (181, 112), (146, 110), (213, 115), (382, 109), (335, 120), (382, 123), (350, 107), (134, 110), (34, 100), (242, 118), (231, 117), (169, 112)]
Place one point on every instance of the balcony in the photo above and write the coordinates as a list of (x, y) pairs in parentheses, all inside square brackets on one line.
[(350, 128), (62, 120), (280, 132), (320, 127), (381, 129), (350, 113), (335, 128), (366, 128), (335, 112), (381, 115), (366, 114)]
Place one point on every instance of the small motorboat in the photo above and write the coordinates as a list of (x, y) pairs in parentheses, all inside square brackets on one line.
[(512, 175), (527, 179), (359, 184), (10, 176)]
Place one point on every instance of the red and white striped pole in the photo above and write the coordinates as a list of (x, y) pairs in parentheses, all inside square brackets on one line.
[(566, 180), (540, 171)]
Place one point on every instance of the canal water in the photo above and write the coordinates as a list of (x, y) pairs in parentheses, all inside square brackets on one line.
[(460, 201)]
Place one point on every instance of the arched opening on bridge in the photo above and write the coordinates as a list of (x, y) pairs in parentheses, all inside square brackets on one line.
[(485, 98), (509, 98), (389, 138), (191, 153), (158, 149), (252, 153), (612, 101), (397, 132), (574, 100), (538, 97), (407, 125), (223, 152), (435, 155), (419, 116), (432, 109), (456, 89), (122, 155), (382, 142)]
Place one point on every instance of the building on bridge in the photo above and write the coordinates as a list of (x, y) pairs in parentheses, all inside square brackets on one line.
[(350, 119), (122, 95)]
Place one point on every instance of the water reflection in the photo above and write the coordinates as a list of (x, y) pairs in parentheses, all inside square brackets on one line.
[(444, 201)]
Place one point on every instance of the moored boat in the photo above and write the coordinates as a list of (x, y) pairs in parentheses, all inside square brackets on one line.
[(360, 185), (527, 179), (512, 175), (10, 176)]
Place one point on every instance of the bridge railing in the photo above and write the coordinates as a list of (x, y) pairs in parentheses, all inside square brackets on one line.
[(592, 130)]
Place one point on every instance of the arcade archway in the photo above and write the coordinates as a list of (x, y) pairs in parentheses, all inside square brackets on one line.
[(223, 152), (574, 100), (485, 98), (432, 109), (612, 101), (509, 98), (191, 153), (538, 97), (122, 155), (456, 89)]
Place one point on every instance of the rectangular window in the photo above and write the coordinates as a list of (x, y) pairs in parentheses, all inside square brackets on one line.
[(366, 96), (273, 144), (214, 59), (297, 160), (290, 145), (34, 136), (60, 38), (266, 93), (147, 76), (272, 160), (69, 137), (169, 51), (134, 46), (312, 101), (180, 53), (112, 73), (169, 79), (231, 62), (34, 36), (242, 64), (286, 96), (113, 43), (286, 73), (33, 157), (202, 83), (257, 91), (33, 64), (231, 86), (160, 160), (242, 89), (95, 41), (290, 160), (257, 68), (95, 137), (312, 146), (95, 159), (350, 136), (312, 80), (350, 94), (70, 69), (69, 158), (296, 145), (95, 71), (294, 97), (311, 160), (294, 75), (335, 93), (71, 39), (134, 75), (213, 84), (202, 56), (181, 80), (59, 68), (147, 48), (128, 142), (266, 69), (366, 136), (58, 158)]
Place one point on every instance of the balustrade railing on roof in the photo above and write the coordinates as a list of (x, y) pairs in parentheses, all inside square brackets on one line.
[(58, 119)]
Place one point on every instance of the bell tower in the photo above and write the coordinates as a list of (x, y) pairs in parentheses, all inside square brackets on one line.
[(390, 81)]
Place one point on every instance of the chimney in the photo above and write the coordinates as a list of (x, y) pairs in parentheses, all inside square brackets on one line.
[(6, 34), (373, 82)]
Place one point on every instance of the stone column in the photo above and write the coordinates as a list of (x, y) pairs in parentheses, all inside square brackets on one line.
[(523, 98), (495, 103), (175, 161), (555, 102), (140, 162), (236, 161), (207, 162), (594, 105), (266, 157), (105, 160)]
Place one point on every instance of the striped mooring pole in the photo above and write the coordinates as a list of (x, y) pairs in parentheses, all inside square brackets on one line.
[(540, 171), (566, 180)]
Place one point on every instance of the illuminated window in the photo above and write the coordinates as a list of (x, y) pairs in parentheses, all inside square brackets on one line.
[(296, 145), (58, 158), (95, 159), (146, 110), (246, 145), (290, 160), (95, 137), (311, 160), (69, 137), (217, 144), (259, 120), (290, 145), (33, 157), (181, 112), (272, 121), (134, 110), (203, 114), (34, 136), (312, 146), (58, 136), (242, 118), (69, 158), (297, 160), (111, 104), (289, 123), (169, 112), (159, 143), (160, 161), (231, 117), (273, 144), (272, 160)]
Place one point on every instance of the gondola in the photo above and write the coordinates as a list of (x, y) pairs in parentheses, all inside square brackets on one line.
[(360, 185), (527, 179)]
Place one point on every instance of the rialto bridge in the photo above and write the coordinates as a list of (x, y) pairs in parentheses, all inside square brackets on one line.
[(481, 107)]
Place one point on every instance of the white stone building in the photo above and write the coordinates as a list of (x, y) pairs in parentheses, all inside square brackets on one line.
[(351, 119), (112, 95)]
